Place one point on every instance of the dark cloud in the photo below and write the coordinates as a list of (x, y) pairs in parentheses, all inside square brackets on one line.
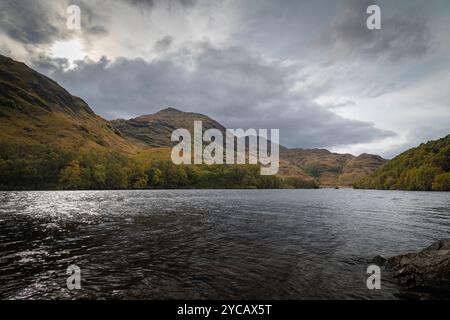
[(337, 105), (163, 44), (148, 3), (43, 22), (31, 22), (231, 85), (50, 65), (152, 3), (93, 19), (401, 37)]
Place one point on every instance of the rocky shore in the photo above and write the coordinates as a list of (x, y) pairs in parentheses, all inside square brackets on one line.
[(423, 273)]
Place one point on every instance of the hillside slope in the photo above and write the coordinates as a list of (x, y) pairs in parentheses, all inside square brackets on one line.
[(36, 110), (156, 130), (425, 168), (358, 167)]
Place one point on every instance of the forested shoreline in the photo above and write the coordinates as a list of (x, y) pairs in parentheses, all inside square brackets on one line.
[(43, 167), (425, 168)]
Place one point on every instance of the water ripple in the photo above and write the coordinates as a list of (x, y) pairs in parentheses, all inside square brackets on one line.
[(283, 244)]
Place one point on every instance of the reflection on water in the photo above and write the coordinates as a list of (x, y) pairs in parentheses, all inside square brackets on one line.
[(279, 244)]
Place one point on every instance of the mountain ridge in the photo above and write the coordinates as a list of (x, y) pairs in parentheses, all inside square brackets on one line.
[(330, 169)]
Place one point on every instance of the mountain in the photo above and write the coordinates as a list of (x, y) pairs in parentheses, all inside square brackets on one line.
[(333, 169), (330, 169), (36, 110), (358, 167), (156, 130), (424, 168)]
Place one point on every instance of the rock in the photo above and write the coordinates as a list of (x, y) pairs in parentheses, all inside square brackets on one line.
[(439, 246), (379, 261), (427, 270)]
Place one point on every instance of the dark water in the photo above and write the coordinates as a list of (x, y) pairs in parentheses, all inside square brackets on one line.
[(284, 244)]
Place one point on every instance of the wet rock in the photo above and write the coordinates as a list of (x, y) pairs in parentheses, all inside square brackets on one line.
[(426, 271), (379, 261)]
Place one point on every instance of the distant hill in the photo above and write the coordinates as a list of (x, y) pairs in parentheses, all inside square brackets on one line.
[(424, 168), (35, 109), (329, 169), (358, 167), (333, 169)]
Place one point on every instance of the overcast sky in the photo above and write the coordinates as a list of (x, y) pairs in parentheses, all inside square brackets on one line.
[(310, 68)]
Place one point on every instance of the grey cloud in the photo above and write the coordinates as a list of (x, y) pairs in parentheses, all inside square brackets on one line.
[(31, 22), (93, 20), (43, 22), (151, 3), (4, 50), (50, 65), (338, 105), (148, 3), (402, 36), (164, 43), (231, 85), (419, 135)]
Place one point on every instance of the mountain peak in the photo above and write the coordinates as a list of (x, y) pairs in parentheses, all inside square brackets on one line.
[(169, 110), (155, 130)]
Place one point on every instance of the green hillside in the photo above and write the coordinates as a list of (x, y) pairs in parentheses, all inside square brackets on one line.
[(424, 168)]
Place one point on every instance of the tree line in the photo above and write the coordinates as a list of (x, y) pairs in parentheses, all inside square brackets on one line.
[(37, 167)]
